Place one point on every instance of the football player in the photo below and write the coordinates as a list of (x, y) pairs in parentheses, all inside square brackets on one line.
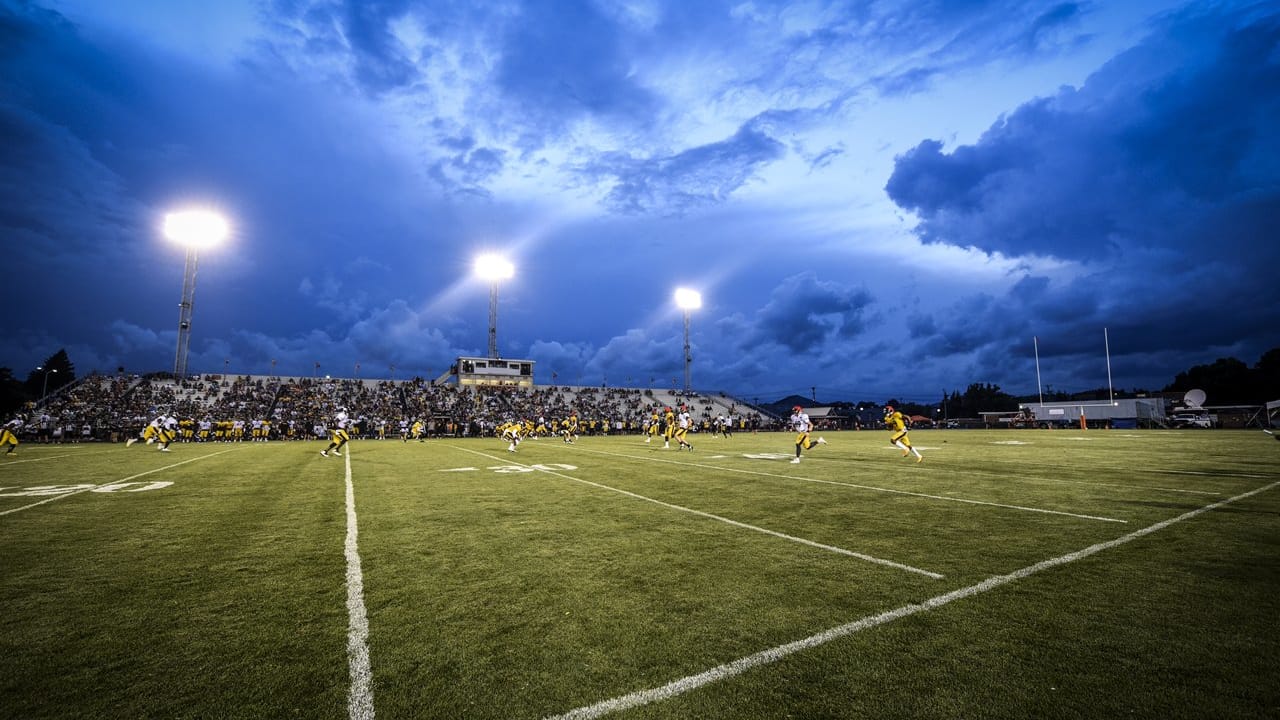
[(339, 435), (9, 435), (898, 431), (683, 423), (803, 427)]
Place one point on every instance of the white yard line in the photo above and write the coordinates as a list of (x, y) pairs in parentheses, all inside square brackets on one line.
[(113, 482), (1086, 483), (735, 523), (855, 485), (5, 462), (360, 697), (1167, 471), (765, 657)]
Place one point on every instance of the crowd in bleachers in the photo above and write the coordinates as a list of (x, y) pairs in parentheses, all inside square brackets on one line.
[(113, 408)]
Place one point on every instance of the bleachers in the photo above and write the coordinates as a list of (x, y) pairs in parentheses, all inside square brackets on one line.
[(302, 407)]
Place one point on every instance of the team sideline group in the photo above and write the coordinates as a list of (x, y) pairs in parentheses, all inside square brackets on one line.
[(669, 424)]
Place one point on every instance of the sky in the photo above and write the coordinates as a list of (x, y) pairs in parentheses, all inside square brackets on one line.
[(875, 199)]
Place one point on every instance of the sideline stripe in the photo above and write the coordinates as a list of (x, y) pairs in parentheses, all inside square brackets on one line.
[(860, 487), (360, 698), (741, 665), (113, 482), (735, 523)]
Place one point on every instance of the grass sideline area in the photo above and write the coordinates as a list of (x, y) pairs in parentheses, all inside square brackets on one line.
[(1012, 574)]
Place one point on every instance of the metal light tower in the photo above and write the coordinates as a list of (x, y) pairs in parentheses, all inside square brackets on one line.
[(687, 300), (494, 268), (45, 392), (193, 229)]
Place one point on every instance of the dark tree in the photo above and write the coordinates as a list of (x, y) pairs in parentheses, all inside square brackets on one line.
[(55, 372), (1226, 381), (12, 394)]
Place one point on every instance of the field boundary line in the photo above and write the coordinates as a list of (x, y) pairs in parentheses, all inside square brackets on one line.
[(765, 657), (113, 482), (856, 485), (719, 518), (360, 696)]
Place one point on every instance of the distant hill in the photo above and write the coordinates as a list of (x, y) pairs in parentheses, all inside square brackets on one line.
[(783, 407)]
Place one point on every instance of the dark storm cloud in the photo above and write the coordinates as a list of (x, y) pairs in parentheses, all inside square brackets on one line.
[(695, 177), (804, 314), (358, 29), (1166, 137), (380, 60), (1161, 175)]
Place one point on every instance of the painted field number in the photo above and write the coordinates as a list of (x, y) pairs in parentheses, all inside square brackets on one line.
[(530, 468)]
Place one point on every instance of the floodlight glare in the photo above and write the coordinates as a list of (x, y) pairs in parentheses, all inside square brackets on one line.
[(494, 267), (196, 228), (687, 299)]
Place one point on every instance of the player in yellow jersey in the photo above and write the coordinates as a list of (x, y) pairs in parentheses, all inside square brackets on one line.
[(417, 430), (668, 428), (569, 428), (514, 433), (651, 426), (898, 430)]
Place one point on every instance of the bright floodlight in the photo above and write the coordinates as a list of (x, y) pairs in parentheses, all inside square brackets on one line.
[(494, 268), (687, 299), (196, 228)]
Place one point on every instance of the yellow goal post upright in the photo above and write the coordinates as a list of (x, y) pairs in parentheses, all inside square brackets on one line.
[(1111, 393)]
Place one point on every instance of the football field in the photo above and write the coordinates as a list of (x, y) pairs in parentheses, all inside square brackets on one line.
[(1012, 574)]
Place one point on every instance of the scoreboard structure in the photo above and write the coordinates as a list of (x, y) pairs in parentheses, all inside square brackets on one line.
[(493, 371)]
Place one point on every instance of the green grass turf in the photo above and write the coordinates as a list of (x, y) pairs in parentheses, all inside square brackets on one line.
[(528, 585)]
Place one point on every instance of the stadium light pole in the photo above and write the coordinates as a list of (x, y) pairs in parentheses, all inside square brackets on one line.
[(45, 392), (687, 300), (193, 229), (494, 268)]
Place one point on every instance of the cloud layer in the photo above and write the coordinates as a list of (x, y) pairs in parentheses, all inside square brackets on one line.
[(874, 199)]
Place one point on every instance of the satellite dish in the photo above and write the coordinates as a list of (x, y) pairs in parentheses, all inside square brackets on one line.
[(1194, 398)]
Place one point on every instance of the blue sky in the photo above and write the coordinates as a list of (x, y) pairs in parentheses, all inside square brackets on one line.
[(875, 199)]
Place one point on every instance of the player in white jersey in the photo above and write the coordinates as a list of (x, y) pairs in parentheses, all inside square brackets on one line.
[(168, 431), (338, 436), (9, 435), (803, 426), (150, 433), (684, 422)]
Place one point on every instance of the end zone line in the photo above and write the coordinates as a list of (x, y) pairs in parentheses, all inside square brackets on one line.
[(765, 657), (735, 523), (360, 697), (860, 487), (113, 482)]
